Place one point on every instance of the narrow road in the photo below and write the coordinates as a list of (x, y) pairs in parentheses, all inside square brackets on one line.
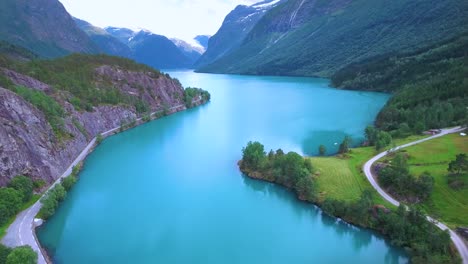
[(461, 246), (21, 231)]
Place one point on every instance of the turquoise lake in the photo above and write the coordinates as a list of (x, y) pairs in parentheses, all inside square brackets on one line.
[(170, 191)]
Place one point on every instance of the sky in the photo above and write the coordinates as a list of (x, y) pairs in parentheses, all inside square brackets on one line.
[(182, 19)]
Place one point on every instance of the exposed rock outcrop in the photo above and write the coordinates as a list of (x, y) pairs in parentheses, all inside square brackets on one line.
[(28, 145)]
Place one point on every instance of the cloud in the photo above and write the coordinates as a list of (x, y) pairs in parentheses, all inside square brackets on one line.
[(173, 18)]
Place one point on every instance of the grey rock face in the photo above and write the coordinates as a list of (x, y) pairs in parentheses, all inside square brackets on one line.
[(28, 145), (26, 81)]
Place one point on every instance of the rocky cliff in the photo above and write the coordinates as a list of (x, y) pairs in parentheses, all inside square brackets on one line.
[(28, 144)]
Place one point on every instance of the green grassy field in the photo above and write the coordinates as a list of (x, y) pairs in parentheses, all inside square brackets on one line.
[(4, 227), (342, 178), (446, 204)]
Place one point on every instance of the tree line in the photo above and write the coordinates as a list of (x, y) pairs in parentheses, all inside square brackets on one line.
[(288, 169)]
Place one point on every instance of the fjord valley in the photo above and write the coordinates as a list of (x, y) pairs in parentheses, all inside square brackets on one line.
[(110, 153)]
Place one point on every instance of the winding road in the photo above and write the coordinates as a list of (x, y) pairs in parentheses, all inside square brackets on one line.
[(459, 244), (22, 231)]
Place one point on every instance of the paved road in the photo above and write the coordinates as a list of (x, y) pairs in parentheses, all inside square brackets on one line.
[(461, 246), (21, 231)]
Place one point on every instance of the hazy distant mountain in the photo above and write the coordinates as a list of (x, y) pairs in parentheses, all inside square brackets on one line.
[(105, 41), (203, 40), (192, 51), (122, 34), (42, 26), (234, 29), (157, 51)]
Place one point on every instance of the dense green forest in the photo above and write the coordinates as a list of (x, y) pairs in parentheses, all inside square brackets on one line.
[(430, 86), (405, 228)]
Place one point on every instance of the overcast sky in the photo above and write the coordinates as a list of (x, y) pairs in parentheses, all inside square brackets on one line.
[(173, 18)]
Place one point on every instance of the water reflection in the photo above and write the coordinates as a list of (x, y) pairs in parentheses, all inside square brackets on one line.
[(361, 238)]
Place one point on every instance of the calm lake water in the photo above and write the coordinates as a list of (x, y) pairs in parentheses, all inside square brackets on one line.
[(170, 191)]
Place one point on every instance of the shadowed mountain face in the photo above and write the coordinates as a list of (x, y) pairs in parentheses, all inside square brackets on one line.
[(156, 50), (42, 26), (318, 38), (234, 29)]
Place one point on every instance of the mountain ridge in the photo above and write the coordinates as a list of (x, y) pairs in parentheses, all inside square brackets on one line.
[(316, 38)]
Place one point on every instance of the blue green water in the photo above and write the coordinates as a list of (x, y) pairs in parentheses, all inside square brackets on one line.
[(170, 191)]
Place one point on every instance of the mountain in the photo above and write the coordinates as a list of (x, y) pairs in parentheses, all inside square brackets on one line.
[(51, 109), (105, 41), (234, 29), (203, 40), (124, 35), (42, 26), (318, 38), (429, 86), (191, 51), (157, 51)]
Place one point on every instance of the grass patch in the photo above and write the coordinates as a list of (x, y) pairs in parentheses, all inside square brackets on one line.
[(445, 203), (25, 206), (342, 178)]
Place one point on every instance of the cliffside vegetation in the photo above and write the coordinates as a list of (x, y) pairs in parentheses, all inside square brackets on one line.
[(408, 229), (190, 94), (76, 74), (429, 86), (14, 198)]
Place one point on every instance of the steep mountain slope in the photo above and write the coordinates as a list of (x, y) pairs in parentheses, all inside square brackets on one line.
[(191, 51), (51, 109), (234, 29), (430, 86), (105, 41), (28, 23), (317, 38)]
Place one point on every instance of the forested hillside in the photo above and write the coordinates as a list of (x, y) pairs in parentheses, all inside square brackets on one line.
[(430, 85), (318, 38)]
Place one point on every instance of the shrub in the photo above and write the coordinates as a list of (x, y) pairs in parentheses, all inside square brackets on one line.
[(24, 185), (22, 255)]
